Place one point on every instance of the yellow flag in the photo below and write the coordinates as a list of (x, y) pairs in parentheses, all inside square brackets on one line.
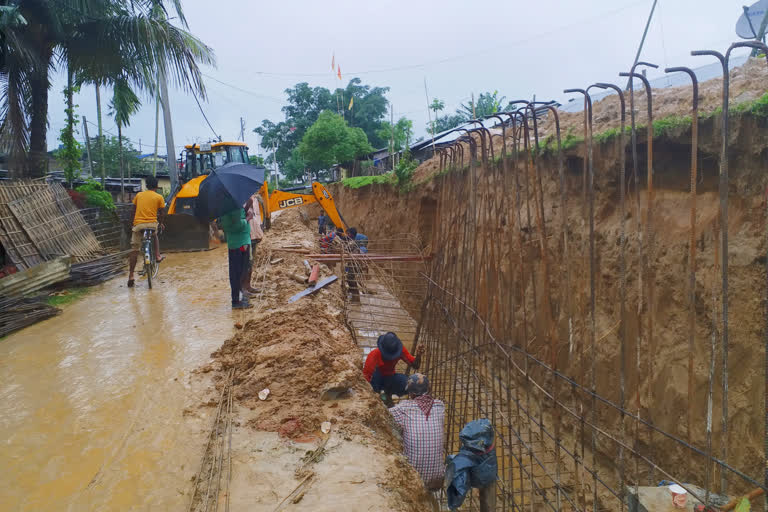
[(333, 62), (351, 102)]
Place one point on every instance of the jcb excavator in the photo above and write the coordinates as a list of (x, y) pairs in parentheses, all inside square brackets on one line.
[(284, 199), (183, 231)]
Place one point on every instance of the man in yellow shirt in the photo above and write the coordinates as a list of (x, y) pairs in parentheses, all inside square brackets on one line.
[(147, 206)]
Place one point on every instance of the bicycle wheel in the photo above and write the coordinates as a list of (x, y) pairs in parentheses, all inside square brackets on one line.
[(148, 259)]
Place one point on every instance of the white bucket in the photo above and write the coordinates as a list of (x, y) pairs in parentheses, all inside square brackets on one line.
[(679, 496)]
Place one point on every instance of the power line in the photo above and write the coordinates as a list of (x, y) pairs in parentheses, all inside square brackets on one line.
[(252, 93), (205, 117)]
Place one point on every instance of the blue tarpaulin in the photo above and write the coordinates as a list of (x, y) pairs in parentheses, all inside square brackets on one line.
[(474, 465)]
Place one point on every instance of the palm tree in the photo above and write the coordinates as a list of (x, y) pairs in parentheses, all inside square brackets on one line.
[(99, 40), (124, 104)]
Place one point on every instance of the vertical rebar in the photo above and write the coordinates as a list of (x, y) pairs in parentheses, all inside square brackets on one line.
[(691, 240), (622, 282)]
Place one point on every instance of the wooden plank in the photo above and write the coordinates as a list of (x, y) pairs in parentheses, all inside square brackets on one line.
[(311, 290), (36, 278)]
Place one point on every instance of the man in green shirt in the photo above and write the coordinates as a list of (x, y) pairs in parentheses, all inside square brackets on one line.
[(238, 234)]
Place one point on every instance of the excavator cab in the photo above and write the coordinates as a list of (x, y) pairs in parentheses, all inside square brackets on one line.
[(183, 231)]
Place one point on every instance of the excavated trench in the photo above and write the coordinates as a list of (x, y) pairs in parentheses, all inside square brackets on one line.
[(660, 380)]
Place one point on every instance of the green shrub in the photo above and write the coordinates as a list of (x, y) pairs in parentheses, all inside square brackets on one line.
[(96, 196), (363, 181), (404, 169), (668, 125)]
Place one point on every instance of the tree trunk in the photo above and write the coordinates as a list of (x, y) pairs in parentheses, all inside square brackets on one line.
[(101, 136), (120, 156), (70, 109), (37, 159)]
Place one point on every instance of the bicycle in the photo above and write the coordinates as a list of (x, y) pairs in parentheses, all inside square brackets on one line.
[(151, 265)]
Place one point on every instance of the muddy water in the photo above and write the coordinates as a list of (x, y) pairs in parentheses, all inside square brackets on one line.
[(93, 400)]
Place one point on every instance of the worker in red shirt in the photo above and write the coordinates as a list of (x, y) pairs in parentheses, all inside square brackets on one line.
[(379, 368)]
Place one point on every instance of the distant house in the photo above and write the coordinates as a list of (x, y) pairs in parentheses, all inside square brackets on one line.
[(149, 159)]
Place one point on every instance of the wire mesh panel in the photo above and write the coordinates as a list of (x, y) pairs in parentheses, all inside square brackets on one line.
[(542, 315), (384, 289)]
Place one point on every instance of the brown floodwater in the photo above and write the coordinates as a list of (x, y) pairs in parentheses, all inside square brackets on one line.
[(93, 401)]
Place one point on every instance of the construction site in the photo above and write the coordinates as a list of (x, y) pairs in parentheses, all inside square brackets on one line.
[(588, 280)]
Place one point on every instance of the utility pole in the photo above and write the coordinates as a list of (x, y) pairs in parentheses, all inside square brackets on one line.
[(88, 147), (242, 129), (157, 129), (169, 146), (429, 115), (642, 41), (101, 136), (392, 138)]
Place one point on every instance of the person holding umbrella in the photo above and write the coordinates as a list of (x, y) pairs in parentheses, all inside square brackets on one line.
[(223, 195), (238, 234)]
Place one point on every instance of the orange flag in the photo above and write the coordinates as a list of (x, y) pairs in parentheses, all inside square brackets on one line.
[(333, 62), (351, 102), (339, 73)]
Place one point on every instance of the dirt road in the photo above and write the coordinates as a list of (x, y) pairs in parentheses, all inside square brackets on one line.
[(94, 400), (109, 405)]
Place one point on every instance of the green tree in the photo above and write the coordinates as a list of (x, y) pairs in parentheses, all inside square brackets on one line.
[(369, 108), (305, 103), (256, 160), (124, 104), (447, 122), (436, 106), (487, 103), (112, 155), (98, 39), (403, 133), (71, 152), (331, 141)]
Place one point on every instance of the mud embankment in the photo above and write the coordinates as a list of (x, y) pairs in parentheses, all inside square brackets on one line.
[(305, 355), (662, 375)]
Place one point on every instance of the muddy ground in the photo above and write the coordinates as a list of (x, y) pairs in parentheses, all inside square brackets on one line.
[(305, 355)]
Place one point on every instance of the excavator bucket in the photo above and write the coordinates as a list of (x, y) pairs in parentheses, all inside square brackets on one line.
[(185, 233)]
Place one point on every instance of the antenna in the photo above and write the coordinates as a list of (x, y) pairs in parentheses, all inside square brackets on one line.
[(751, 24)]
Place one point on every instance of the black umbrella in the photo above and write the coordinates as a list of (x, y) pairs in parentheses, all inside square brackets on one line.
[(227, 188)]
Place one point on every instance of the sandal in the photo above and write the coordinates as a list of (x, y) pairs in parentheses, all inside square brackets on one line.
[(161, 258), (130, 283)]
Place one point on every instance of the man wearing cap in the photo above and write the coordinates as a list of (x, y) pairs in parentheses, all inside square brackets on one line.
[(379, 368), (421, 419)]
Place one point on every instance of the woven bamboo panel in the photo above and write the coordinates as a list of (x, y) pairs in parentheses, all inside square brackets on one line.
[(55, 226), (18, 245)]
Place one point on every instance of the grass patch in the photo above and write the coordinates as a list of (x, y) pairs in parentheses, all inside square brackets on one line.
[(65, 297), (668, 125), (363, 181)]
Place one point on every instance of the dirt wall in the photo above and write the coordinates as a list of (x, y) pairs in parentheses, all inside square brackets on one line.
[(657, 272)]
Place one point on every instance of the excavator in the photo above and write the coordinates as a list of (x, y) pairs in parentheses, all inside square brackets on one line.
[(184, 232), (280, 200)]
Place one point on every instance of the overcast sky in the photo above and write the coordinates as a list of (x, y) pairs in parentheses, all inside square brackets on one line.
[(518, 47)]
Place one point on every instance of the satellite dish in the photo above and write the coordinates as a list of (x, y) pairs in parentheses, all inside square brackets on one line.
[(749, 22)]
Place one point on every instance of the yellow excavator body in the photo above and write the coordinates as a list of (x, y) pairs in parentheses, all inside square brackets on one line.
[(279, 200), (183, 231)]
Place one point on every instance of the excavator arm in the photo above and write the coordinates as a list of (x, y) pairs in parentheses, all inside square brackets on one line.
[(282, 200)]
